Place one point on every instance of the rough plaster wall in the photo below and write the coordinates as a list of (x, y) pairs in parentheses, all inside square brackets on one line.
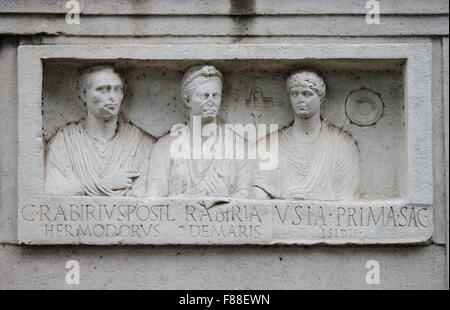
[(198, 267)]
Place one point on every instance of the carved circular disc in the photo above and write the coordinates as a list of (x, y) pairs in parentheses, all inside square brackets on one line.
[(364, 107)]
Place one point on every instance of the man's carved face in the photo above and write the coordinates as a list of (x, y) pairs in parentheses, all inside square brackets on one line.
[(305, 101), (104, 96), (206, 100)]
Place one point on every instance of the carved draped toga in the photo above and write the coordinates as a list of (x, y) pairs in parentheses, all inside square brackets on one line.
[(76, 163), (199, 177), (326, 168)]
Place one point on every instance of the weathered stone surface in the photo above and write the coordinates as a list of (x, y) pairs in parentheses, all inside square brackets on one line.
[(103, 154), (445, 90), (162, 107)]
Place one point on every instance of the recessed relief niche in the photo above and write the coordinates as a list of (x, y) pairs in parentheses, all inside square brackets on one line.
[(292, 130)]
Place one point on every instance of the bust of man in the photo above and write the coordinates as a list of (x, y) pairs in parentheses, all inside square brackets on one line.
[(315, 159), (192, 176), (104, 154)]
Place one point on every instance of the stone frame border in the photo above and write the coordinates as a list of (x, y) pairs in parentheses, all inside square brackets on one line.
[(418, 183)]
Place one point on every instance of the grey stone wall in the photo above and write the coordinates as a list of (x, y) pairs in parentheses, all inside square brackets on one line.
[(216, 22)]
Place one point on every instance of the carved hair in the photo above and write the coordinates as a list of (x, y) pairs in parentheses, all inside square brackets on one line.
[(85, 76), (310, 79), (196, 76)]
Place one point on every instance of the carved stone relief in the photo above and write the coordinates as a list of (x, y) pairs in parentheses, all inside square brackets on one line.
[(227, 151), (364, 107)]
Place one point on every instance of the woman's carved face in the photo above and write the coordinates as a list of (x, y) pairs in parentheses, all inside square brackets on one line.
[(205, 100), (305, 101)]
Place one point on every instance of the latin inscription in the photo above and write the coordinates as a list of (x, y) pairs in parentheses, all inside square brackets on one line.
[(226, 222)]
